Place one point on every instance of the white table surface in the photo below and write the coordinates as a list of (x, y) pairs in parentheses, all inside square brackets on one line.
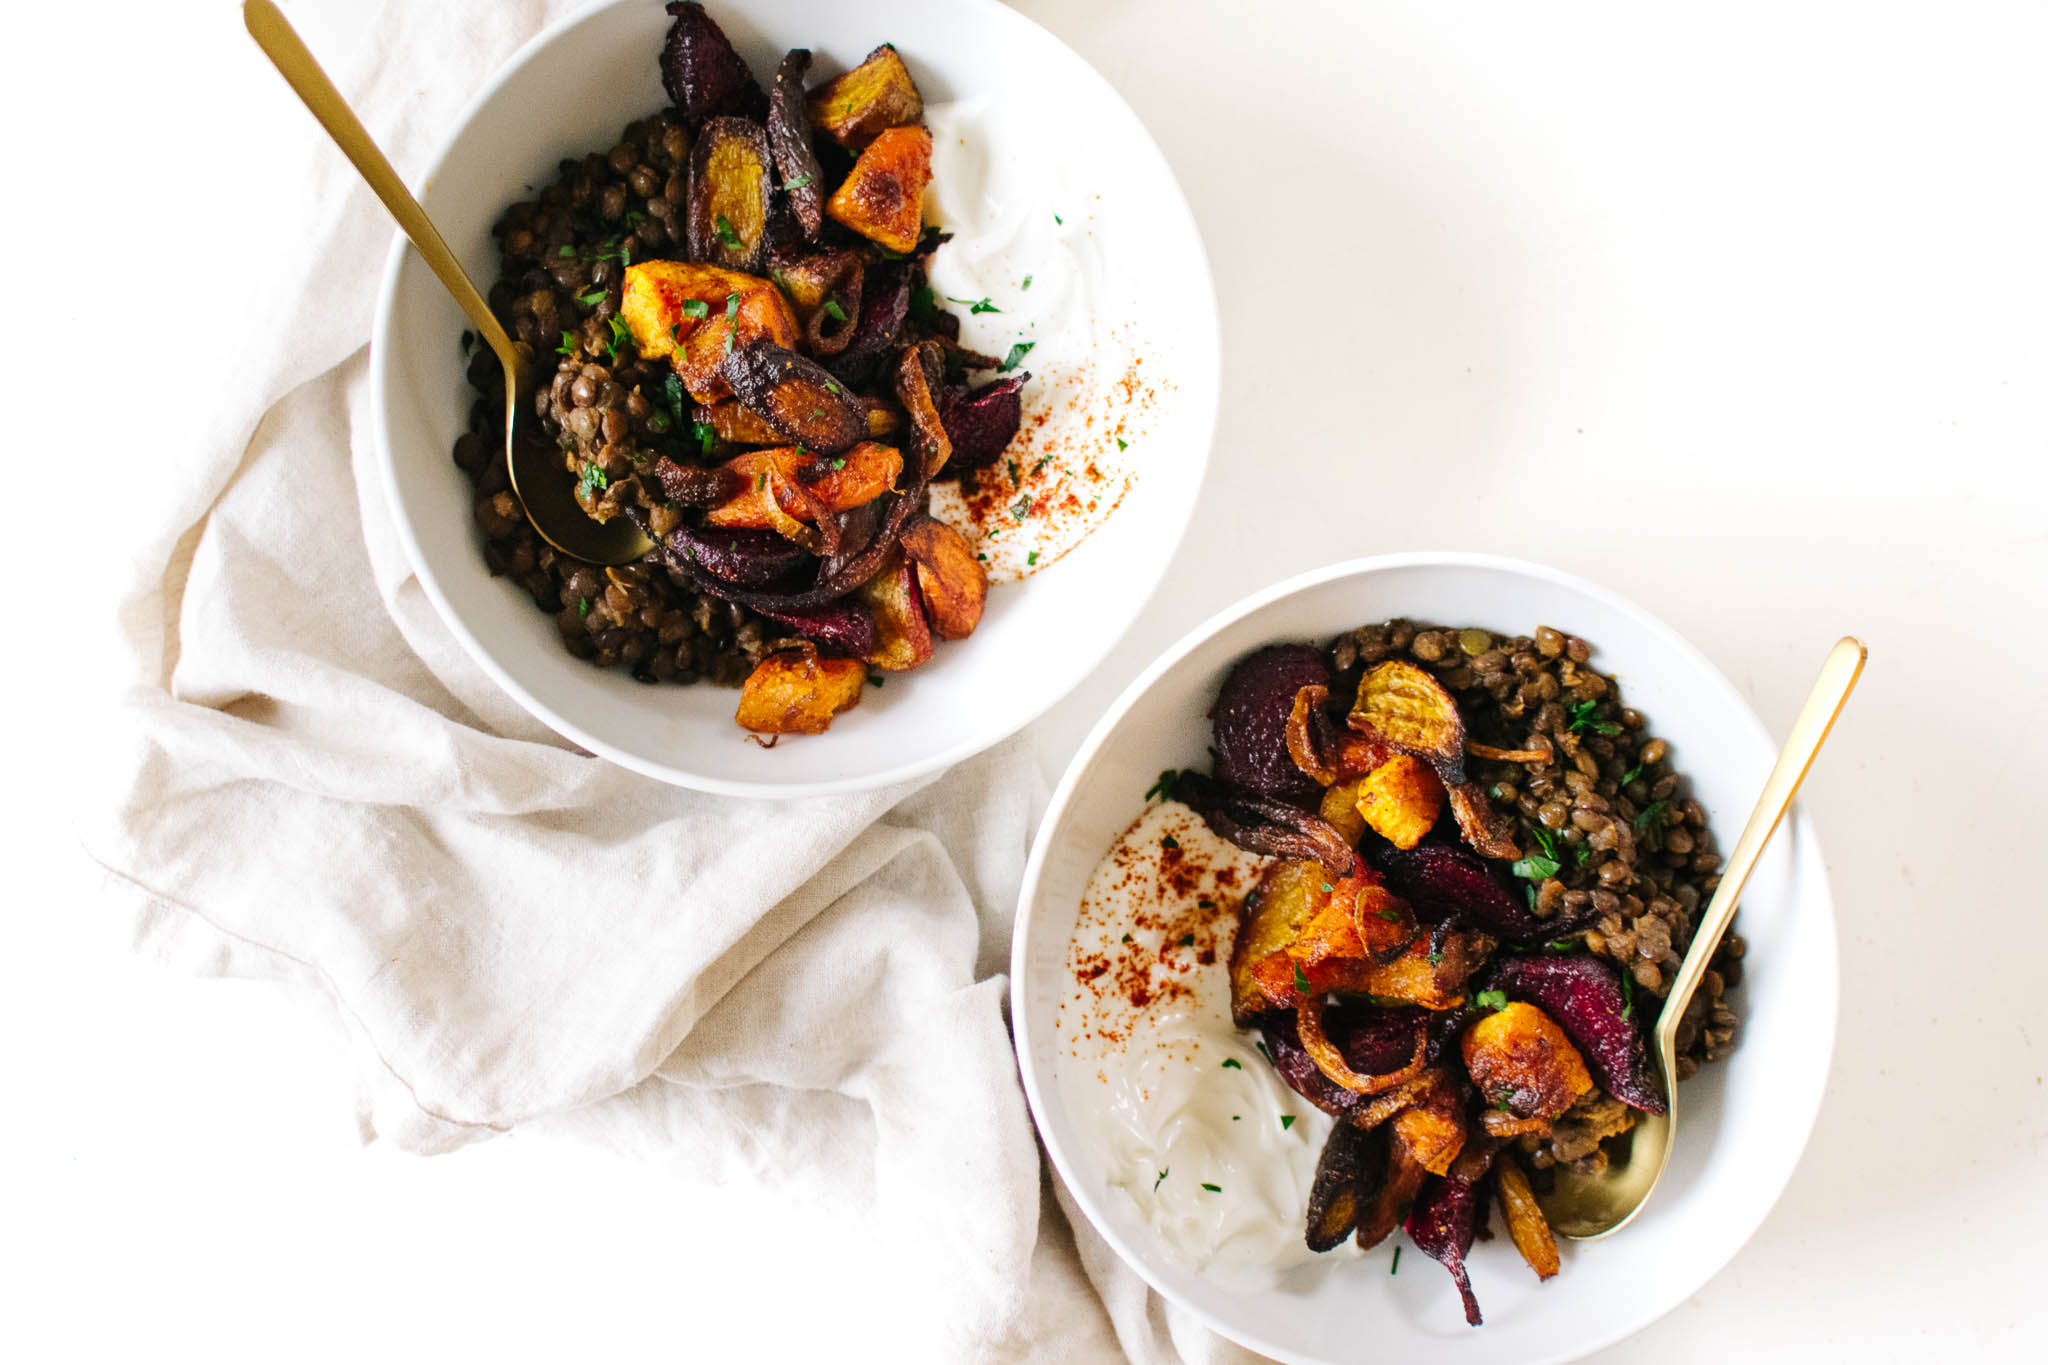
[(1740, 310)]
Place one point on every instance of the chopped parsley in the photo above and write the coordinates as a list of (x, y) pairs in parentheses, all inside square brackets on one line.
[(1328, 889), (696, 308), (1122, 444), (839, 462), (1013, 471), (1021, 508), (1163, 788), (1628, 994), (1395, 1268), (1162, 1175), (568, 346), (1027, 283), (1286, 1122), (1539, 867), (798, 183), (1213, 1189), (1043, 461), (1260, 1044), (723, 230), (567, 250), (1126, 938), (1187, 940), (1057, 219), (593, 479), (1582, 720), (1168, 841), (876, 679), (583, 606), (1300, 981), (1017, 354), (975, 305), (1491, 1000), (1650, 813), (1389, 914), (924, 304), (592, 299), (1204, 903), (1232, 1064), (468, 341), (1632, 774), (621, 335), (1031, 558), (834, 311)]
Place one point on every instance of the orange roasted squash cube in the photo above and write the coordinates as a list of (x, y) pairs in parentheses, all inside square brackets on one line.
[(797, 692), (882, 197), (1401, 799)]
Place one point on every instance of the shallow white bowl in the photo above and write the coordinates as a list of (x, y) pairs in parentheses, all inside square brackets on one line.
[(569, 92), (1743, 1123)]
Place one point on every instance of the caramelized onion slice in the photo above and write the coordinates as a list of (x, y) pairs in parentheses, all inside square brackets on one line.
[(1261, 824), (1309, 1023)]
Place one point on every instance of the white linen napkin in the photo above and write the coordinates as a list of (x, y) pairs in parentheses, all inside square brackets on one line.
[(312, 781)]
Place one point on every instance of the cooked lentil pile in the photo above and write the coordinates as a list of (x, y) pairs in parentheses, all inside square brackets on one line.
[(562, 259), (1606, 821)]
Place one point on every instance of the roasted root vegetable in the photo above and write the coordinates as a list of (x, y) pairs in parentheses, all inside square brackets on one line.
[(839, 626), (730, 190), (695, 315), (1401, 800), (982, 422), (1331, 1061), (744, 557), (1583, 995), (1444, 882), (1334, 1193), (882, 197), (702, 74), (1480, 823), (1441, 1226), (1406, 708), (1433, 979), (795, 397), (903, 638), (1272, 917), (1249, 719), (797, 692), (785, 486), (1340, 808), (789, 139), (1528, 1229), (825, 287), (853, 109), (1523, 1062), (949, 578), (731, 421), (1381, 1211), (1432, 1126)]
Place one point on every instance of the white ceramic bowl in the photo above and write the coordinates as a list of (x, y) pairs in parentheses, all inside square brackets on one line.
[(570, 92), (1743, 1123)]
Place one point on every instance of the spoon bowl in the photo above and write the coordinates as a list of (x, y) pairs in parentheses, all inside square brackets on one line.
[(1586, 1208), (540, 480)]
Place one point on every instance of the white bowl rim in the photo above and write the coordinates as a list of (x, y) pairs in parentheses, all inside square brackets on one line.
[(1205, 394), (1022, 1016)]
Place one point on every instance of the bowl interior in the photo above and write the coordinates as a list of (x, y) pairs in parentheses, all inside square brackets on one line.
[(571, 92), (1742, 1123)]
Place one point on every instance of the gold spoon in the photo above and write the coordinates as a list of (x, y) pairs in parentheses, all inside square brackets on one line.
[(1586, 1207), (540, 480)]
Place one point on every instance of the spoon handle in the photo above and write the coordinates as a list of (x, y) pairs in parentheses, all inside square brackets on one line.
[(1830, 692), (281, 43)]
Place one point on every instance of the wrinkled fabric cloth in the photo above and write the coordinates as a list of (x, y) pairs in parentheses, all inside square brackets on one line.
[(311, 781)]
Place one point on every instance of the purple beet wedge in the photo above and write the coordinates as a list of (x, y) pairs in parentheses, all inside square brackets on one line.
[(1583, 994)]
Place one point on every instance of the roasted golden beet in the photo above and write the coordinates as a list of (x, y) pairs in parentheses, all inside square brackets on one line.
[(878, 94), (1303, 925), (1340, 808), (950, 578), (1401, 799), (882, 197), (1272, 917), (1412, 977), (732, 422), (883, 419), (789, 138), (727, 224), (1359, 919), (1409, 710), (784, 482), (795, 396), (1527, 1227), (689, 313), (1432, 1128), (1523, 1062), (795, 692), (903, 637)]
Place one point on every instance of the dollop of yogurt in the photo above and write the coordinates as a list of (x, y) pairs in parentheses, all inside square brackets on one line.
[(1197, 1133)]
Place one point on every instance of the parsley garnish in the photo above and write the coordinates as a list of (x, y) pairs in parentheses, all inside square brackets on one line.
[(1204, 903), (1027, 282), (1491, 1000), (723, 230), (834, 311), (1650, 813), (1017, 354), (1232, 1064), (839, 462), (1300, 981), (1260, 1044), (1013, 471), (1213, 1189), (1122, 444), (1632, 774), (620, 336), (583, 606), (1168, 841), (1389, 914), (1163, 788), (468, 341), (1057, 219), (696, 308), (1628, 994), (1328, 889), (1539, 867), (1126, 938), (1031, 558), (568, 346), (1395, 1268), (592, 299), (876, 679), (567, 250), (593, 478), (1021, 508), (797, 183), (1162, 1175), (975, 305), (1582, 720), (1286, 1122), (924, 303), (1187, 940)]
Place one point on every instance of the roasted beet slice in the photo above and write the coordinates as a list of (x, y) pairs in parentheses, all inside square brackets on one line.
[(1441, 1226), (704, 77), (1261, 824), (840, 626), (1445, 882), (1333, 1196), (789, 137), (1390, 1194), (884, 305), (743, 557), (727, 224), (982, 422), (1250, 719), (796, 397), (1373, 1038), (1583, 994)]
